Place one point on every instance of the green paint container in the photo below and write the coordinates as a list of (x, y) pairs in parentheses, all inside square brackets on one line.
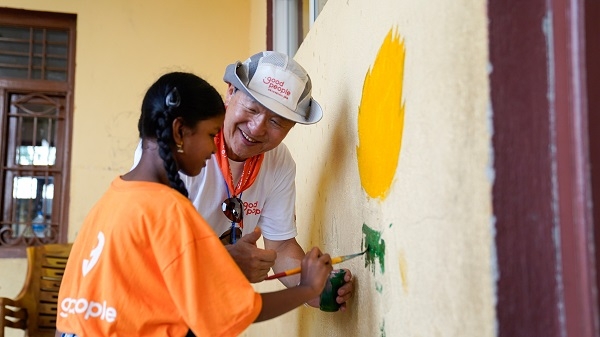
[(330, 292)]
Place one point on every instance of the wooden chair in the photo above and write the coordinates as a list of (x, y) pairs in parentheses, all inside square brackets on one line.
[(34, 309)]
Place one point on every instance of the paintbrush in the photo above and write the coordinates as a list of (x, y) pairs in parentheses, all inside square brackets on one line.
[(334, 260)]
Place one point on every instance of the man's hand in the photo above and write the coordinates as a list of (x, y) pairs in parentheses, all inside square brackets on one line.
[(254, 262), (344, 293)]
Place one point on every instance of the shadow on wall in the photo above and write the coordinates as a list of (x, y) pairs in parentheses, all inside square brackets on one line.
[(380, 125), (339, 157)]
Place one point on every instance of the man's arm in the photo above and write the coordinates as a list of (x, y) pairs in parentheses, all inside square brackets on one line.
[(289, 256)]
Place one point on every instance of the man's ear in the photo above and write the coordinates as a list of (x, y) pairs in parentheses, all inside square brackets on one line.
[(229, 94)]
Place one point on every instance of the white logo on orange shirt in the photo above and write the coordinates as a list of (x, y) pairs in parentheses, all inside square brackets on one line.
[(94, 255), (88, 309)]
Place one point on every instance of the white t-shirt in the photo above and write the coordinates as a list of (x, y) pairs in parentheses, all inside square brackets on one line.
[(268, 203)]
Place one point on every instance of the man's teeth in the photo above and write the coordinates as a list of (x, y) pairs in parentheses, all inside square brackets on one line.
[(248, 138)]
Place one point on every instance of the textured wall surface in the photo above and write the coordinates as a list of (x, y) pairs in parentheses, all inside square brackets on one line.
[(433, 273)]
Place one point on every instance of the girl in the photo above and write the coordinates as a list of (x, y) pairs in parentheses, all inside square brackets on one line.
[(145, 263)]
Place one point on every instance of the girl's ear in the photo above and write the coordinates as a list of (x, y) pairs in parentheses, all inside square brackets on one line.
[(178, 130)]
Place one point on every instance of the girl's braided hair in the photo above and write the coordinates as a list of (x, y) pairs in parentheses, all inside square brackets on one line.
[(173, 95)]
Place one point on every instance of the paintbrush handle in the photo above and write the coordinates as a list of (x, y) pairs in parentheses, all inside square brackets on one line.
[(284, 273), (337, 260), (294, 271)]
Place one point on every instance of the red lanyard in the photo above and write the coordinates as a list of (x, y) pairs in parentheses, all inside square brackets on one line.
[(249, 174)]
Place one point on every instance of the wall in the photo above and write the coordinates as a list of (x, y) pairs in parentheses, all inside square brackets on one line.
[(257, 31), (122, 47), (437, 274)]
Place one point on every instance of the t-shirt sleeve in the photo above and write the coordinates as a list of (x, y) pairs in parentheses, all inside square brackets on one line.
[(278, 218), (209, 289)]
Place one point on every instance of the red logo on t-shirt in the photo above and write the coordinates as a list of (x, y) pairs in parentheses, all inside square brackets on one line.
[(251, 208)]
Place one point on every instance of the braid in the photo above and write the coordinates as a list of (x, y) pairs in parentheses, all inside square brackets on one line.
[(176, 95), (164, 136)]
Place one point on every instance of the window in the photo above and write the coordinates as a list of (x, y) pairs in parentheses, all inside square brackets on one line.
[(315, 8), (286, 26), (288, 22), (36, 93)]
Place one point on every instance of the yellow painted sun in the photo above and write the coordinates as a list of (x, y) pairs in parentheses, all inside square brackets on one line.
[(381, 118)]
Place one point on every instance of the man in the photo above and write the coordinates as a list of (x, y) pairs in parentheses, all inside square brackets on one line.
[(248, 187)]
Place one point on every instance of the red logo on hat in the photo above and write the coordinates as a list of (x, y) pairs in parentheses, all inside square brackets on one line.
[(277, 87)]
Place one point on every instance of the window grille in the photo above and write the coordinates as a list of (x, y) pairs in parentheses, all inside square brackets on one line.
[(36, 94), (33, 53)]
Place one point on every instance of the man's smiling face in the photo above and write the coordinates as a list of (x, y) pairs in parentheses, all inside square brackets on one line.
[(250, 128)]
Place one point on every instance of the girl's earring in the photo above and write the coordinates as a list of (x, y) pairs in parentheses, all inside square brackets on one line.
[(179, 148)]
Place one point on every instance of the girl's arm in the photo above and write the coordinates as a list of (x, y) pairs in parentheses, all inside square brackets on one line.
[(315, 270)]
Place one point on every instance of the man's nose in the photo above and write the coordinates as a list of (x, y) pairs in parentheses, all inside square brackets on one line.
[(259, 124)]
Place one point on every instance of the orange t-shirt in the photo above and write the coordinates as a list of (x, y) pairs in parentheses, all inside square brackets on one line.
[(145, 263)]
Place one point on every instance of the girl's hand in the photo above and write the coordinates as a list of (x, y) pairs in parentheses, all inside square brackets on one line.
[(316, 267)]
